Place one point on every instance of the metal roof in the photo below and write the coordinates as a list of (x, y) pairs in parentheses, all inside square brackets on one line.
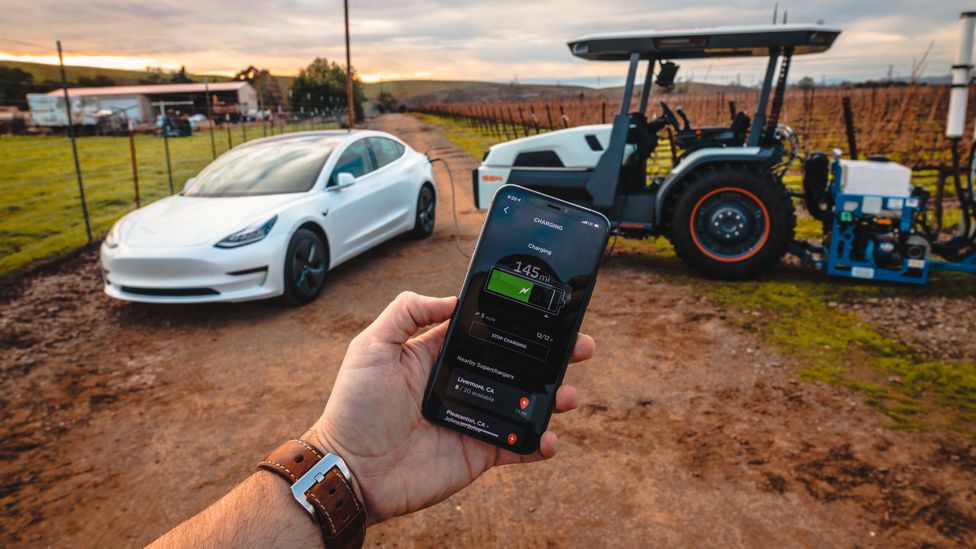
[(732, 41), (153, 89)]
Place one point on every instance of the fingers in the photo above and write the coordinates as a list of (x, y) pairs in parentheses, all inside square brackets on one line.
[(548, 447), (567, 398), (584, 349), (548, 444), (432, 339), (407, 314)]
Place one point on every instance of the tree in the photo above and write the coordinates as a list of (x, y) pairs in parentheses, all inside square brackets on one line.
[(15, 84), (323, 83), (154, 75), (386, 102), (806, 83), (267, 86), (181, 77), (99, 81)]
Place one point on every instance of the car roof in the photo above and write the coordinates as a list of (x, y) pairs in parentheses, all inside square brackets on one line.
[(730, 41), (307, 136)]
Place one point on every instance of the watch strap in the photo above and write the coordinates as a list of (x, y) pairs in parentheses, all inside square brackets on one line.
[(340, 514)]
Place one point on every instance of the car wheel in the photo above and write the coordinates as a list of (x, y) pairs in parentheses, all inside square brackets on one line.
[(306, 262), (423, 225), (731, 222)]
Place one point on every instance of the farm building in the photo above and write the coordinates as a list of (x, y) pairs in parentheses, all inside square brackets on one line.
[(142, 103)]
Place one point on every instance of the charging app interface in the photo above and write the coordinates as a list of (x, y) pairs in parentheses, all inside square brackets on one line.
[(511, 337)]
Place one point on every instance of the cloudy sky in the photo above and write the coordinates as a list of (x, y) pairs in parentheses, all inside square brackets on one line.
[(497, 40)]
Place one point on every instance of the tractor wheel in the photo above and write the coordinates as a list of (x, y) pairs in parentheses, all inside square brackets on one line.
[(731, 222)]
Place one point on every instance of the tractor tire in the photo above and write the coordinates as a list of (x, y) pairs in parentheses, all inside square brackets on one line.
[(731, 222)]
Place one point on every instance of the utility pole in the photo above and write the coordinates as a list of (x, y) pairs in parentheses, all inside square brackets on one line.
[(349, 95), (74, 147)]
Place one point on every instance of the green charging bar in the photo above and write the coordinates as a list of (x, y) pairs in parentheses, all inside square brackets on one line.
[(508, 285)]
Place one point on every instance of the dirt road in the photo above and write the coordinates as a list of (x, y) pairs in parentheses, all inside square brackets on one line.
[(121, 420)]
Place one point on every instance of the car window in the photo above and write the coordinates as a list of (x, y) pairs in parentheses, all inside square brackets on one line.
[(385, 150), (287, 164), (354, 160)]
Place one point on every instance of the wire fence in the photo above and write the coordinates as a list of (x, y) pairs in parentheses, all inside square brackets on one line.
[(41, 211)]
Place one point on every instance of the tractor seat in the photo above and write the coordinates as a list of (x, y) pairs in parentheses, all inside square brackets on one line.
[(733, 135)]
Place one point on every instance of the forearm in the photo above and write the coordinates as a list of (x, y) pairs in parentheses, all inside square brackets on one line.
[(259, 512)]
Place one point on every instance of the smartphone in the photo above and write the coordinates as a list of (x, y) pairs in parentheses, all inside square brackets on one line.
[(515, 325)]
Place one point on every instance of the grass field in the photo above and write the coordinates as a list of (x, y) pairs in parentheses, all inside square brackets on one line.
[(803, 316), (39, 199)]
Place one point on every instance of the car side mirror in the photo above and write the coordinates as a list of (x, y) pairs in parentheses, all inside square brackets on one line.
[(343, 180), (189, 183)]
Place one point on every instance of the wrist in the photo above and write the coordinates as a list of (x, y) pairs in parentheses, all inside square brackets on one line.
[(318, 438)]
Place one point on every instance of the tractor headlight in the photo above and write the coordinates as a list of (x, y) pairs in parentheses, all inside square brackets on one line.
[(249, 235), (114, 236)]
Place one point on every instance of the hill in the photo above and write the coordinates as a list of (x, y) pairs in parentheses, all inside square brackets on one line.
[(420, 92), (43, 72)]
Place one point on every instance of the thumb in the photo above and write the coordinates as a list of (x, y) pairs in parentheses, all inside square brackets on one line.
[(407, 314)]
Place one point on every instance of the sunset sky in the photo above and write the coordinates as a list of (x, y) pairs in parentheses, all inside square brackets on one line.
[(497, 40)]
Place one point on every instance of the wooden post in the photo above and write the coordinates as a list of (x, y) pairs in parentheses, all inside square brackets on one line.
[(74, 147), (849, 126), (135, 166)]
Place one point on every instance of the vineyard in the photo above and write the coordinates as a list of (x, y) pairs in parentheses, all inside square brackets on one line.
[(906, 124)]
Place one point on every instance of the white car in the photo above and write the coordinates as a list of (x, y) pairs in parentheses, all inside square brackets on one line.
[(269, 218)]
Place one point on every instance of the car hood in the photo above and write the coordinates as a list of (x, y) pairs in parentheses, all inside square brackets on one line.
[(192, 221)]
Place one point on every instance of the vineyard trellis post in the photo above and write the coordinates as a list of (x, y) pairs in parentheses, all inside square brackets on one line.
[(849, 127)]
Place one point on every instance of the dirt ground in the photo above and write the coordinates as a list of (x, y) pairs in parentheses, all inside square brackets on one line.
[(121, 420)]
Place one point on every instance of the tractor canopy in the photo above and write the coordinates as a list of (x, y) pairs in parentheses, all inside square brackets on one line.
[(730, 41)]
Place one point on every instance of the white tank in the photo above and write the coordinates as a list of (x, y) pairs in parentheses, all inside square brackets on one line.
[(961, 70)]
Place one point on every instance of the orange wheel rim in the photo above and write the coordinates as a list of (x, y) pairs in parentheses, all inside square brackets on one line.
[(753, 250)]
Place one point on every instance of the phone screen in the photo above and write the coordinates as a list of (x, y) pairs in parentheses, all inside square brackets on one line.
[(515, 325)]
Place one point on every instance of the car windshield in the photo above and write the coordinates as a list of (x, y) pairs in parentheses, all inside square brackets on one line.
[(286, 165)]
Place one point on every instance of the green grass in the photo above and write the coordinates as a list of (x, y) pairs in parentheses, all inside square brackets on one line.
[(802, 314), (40, 209)]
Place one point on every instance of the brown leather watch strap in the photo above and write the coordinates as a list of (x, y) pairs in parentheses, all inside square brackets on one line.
[(340, 514)]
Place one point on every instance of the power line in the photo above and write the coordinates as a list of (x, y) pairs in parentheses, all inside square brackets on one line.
[(22, 43)]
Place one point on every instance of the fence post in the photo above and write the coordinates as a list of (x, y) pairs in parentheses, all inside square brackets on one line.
[(169, 166), (849, 126), (244, 130), (549, 117), (603, 112), (74, 147), (210, 120), (230, 142), (135, 167)]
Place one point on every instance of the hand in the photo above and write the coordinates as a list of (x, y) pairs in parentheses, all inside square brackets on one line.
[(400, 461)]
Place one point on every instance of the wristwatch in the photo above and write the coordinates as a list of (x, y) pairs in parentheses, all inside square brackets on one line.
[(322, 485)]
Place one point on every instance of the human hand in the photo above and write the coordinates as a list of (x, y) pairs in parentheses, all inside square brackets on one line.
[(400, 461)]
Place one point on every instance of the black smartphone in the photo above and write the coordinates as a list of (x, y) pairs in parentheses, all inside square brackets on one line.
[(515, 325)]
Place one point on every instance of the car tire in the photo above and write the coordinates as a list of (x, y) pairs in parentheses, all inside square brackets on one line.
[(306, 265), (424, 218), (731, 222)]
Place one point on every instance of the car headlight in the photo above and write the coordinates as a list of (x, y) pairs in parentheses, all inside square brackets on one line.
[(250, 235), (114, 236)]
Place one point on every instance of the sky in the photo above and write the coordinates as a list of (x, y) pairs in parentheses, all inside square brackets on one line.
[(496, 40)]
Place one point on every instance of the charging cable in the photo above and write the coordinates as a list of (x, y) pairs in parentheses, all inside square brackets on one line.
[(454, 215)]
